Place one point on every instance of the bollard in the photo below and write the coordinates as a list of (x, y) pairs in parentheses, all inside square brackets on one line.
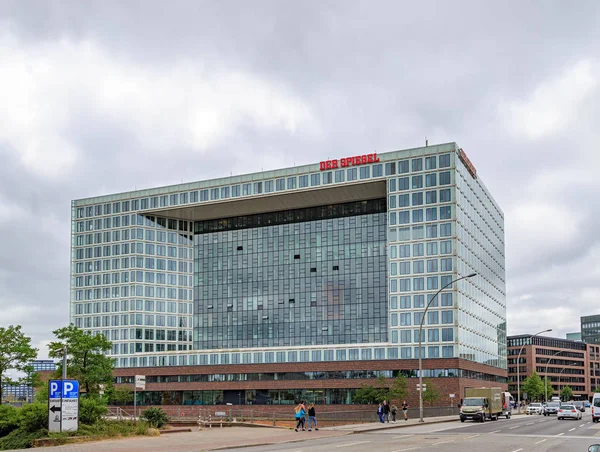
[(273, 419), (210, 420)]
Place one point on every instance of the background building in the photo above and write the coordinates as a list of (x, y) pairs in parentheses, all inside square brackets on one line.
[(590, 329), (563, 361), (574, 336), (25, 393), (326, 266)]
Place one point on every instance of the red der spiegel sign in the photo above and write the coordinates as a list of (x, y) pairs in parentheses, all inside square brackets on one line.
[(349, 161)]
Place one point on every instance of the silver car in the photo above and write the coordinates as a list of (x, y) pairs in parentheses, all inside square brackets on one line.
[(568, 412)]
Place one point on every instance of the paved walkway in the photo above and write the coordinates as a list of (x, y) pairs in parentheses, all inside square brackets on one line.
[(232, 437)]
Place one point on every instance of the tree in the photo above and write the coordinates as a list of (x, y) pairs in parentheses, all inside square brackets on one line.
[(16, 353), (364, 394), (381, 391), (399, 389), (431, 393), (547, 388), (119, 396), (85, 357), (566, 393), (533, 386)]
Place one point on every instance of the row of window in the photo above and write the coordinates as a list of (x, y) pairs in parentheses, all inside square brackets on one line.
[(134, 291), (149, 249), (418, 198), (171, 279), (149, 263), (403, 267), (125, 221), (419, 181), (419, 249), (415, 284), (427, 335), (420, 232), (418, 301), (133, 319), (433, 318), (135, 305)]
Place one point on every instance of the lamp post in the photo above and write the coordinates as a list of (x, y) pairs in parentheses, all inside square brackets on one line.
[(560, 373), (421, 340), (518, 366), (546, 375)]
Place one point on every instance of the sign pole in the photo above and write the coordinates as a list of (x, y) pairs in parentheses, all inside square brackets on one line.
[(134, 402)]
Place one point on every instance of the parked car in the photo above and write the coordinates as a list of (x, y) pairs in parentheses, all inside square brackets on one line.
[(586, 404), (551, 408), (534, 408), (596, 407), (568, 412)]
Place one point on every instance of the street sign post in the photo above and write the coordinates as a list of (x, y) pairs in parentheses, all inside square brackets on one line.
[(63, 405), (424, 387), (139, 383)]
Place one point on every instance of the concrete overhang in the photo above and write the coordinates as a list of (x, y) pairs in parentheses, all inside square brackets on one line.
[(275, 202)]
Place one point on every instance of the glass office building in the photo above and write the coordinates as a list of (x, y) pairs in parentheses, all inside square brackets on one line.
[(334, 261)]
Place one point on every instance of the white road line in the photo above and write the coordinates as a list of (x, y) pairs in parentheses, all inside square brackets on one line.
[(352, 444), (571, 429), (495, 431), (474, 436), (530, 423), (582, 425), (402, 450), (403, 436), (517, 450), (516, 426), (542, 441), (560, 434), (443, 442)]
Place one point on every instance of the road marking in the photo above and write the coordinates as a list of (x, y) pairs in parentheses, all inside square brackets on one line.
[(530, 423), (542, 441), (571, 429), (582, 425), (517, 450), (352, 444), (516, 426), (474, 436), (495, 431), (443, 442), (402, 450), (560, 434), (404, 436)]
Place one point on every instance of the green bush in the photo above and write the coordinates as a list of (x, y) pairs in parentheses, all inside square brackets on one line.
[(9, 419), (156, 417), (33, 417), (91, 410), (21, 439)]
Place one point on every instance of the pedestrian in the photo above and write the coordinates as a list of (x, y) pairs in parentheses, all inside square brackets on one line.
[(386, 411), (312, 417), (405, 410), (394, 411), (380, 412), (300, 417)]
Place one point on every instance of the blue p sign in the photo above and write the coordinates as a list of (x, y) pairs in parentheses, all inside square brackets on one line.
[(55, 389)]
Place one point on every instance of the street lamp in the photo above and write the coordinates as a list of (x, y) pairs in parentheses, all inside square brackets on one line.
[(546, 375), (561, 371), (420, 341), (518, 366)]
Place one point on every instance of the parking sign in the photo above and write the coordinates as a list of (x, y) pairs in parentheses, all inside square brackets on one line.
[(63, 405)]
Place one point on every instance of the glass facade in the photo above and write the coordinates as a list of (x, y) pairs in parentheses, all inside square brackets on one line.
[(316, 279), (305, 277)]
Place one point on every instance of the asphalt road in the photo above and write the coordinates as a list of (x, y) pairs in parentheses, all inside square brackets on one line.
[(518, 434)]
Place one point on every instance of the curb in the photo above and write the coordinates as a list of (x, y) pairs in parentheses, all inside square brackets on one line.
[(266, 443)]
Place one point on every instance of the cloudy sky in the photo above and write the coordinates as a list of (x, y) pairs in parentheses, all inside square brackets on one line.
[(106, 96)]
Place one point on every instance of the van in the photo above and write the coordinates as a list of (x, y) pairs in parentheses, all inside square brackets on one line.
[(596, 407)]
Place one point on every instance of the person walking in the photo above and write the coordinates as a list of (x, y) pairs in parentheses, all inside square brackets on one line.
[(312, 417), (405, 410), (394, 411), (300, 417), (386, 411), (380, 412)]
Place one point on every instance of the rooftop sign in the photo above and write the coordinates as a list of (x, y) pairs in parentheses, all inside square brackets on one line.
[(470, 167), (349, 161)]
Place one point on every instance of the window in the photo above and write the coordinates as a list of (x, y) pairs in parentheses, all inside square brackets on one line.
[(405, 319), (404, 250), (417, 165), (392, 201), (365, 172), (392, 218), (445, 212), (446, 264), (405, 337), (403, 200), (447, 299), (448, 351), (390, 169), (432, 266), (433, 335), (445, 229), (430, 162), (315, 179), (431, 214), (279, 184), (303, 181), (417, 182), (417, 216), (339, 176), (430, 197), (418, 250), (405, 268), (431, 231), (352, 174), (447, 317), (419, 301), (246, 189), (447, 334), (418, 284), (391, 185), (430, 180), (431, 248), (417, 198), (269, 186), (224, 192), (445, 161), (433, 318), (404, 217), (445, 195), (404, 285), (405, 302), (403, 183), (445, 178), (433, 352), (418, 267), (432, 282), (258, 188)]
